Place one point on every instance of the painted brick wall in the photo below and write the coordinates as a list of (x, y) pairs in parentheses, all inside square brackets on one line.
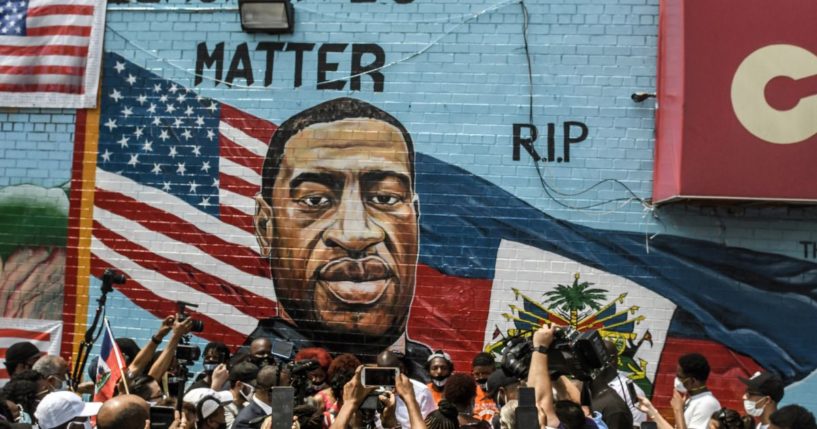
[(456, 76)]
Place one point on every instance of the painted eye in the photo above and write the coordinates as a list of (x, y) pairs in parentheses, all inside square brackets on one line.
[(385, 200), (315, 201)]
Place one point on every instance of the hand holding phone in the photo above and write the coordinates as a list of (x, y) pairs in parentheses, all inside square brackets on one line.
[(379, 377)]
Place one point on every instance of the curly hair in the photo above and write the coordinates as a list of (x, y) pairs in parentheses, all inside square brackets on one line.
[(317, 354), (444, 417), (346, 362), (460, 390), (23, 393), (694, 365)]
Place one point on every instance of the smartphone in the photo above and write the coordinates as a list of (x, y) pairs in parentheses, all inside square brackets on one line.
[(632, 392), (379, 377), (161, 417), (282, 400), (526, 413), (649, 425), (282, 349)]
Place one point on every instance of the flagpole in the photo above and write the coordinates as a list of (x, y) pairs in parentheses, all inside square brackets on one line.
[(118, 356)]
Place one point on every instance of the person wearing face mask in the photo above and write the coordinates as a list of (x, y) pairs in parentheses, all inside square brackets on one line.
[(318, 378), (242, 387), (439, 367), (261, 352), (209, 407), (692, 402), (65, 410), (261, 402), (504, 390), (55, 371), (215, 354), (764, 390), (482, 367)]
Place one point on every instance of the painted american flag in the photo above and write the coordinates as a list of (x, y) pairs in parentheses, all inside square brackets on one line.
[(175, 180), (44, 334), (49, 52)]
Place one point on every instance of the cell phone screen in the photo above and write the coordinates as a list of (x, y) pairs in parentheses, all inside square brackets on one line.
[(161, 417), (379, 376), (282, 349), (282, 400), (631, 390)]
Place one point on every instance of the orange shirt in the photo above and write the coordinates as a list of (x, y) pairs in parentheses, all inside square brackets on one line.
[(436, 394), (484, 407)]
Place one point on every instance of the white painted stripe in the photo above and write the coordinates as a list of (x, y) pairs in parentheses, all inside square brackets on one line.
[(44, 60), (53, 20), (6, 342), (230, 168), (209, 224), (45, 41), (173, 291), (239, 202), (39, 3), (40, 79), (178, 251), (238, 137)]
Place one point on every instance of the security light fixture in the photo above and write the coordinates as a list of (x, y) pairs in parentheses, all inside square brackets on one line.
[(266, 16)]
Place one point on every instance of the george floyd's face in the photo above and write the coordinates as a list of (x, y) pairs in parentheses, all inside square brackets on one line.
[(342, 229)]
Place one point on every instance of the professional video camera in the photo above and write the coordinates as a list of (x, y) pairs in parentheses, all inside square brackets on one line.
[(581, 355), (298, 372), (181, 306)]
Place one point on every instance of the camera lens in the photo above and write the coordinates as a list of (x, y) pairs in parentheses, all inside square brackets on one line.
[(198, 326)]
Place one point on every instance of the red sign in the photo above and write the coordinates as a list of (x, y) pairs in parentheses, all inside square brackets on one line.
[(737, 97)]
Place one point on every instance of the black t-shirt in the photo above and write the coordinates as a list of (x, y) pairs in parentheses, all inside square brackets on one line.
[(614, 411)]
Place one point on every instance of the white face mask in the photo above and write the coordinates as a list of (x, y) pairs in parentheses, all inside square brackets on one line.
[(246, 392), (679, 386), (751, 408), (439, 383)]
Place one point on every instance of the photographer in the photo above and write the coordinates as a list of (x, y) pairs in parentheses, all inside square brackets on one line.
[(215, 372), (354, 393), (260, 405), (539, 378), (168, 355)]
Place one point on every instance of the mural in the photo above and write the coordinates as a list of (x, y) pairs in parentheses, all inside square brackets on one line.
[(309, 232), (33, 232)]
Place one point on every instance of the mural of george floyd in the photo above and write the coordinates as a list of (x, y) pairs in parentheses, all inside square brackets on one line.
[(408, 175)]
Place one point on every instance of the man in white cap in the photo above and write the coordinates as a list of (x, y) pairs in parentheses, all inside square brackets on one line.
[(209, 407), (58, 410)]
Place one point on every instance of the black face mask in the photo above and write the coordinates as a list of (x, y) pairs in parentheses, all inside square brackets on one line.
[(483, 384), (260, 362)]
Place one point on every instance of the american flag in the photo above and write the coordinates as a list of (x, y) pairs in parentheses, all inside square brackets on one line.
[(175, 180), (49, 52), (44, 334)]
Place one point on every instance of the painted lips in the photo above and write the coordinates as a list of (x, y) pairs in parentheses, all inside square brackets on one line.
[(356, 281)]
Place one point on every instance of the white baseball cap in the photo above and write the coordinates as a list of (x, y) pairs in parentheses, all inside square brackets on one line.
[(58, 408), (212, 400)]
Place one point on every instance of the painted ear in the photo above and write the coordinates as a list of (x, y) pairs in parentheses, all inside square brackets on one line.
[(262, 221)]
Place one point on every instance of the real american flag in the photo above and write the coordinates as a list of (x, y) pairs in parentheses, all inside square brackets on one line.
[(175, 180), (49, 52)]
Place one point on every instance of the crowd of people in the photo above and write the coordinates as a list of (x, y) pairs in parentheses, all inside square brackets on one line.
[(249, 389)]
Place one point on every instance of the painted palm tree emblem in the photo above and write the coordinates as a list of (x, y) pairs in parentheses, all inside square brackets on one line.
[(574, 299), (582, 307)]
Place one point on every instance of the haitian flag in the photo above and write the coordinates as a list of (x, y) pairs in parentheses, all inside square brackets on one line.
[(110, 366)]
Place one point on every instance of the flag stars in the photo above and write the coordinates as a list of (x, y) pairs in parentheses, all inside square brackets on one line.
[(173, 152), (177, 123), (170, 108), (164, 135), (210, 135), (157, 87), (111, 124), (193, 186), (156, 121), (157, 169), (205, 202), (127, 111), (205, 166), (123, 142), (199, 121), (216, 183), (187, 135), (180, 168), (116, 95), (147, 146), (181, 98), (119, 67), (106, 156), (173, 88), (134, 159), (163, 98), (131, 79), (213, 107), (142, 99), (188, 111), (166, 186), (197, 150), (152, 108), (138, 132)]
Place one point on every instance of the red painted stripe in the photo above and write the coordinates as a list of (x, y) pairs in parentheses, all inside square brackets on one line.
[(31, 70), (63, 89), (161, 308), (237, 185), (236, 218), (72, 243), (238, 154), (4, 374), (249, 124), (243, 258), (33, 51), (24, 333), (61, 9), (60, 30), (240, 298)]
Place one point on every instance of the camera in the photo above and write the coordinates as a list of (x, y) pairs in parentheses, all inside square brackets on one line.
[(187, 354), (198, 325), (581, 355), (302, 367), (111, 277)]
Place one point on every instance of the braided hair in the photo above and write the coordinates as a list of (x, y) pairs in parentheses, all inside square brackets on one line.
[(444, 417)]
